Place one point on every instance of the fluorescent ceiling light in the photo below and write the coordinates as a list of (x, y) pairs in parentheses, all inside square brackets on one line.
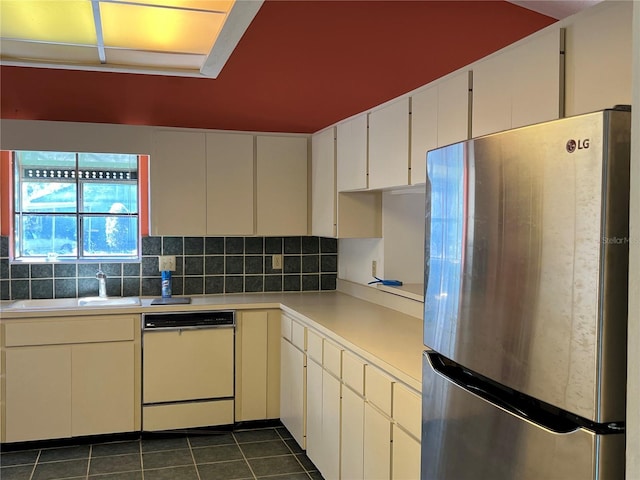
[(168, 37)]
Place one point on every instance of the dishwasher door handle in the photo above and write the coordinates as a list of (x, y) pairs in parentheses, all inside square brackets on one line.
[(151, 328)]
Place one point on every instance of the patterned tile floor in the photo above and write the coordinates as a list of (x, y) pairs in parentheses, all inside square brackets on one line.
[(268, 452)]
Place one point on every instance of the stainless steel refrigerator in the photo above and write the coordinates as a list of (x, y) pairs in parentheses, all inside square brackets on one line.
[(526, 262)]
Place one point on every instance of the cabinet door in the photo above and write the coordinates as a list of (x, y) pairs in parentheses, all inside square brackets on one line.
[(178, 183), (323, 184), (424, 131), (351, 154), (229, 184), (281, 186), (293, 391), (389, 145), (103, 385), (406, 456), (352, 441), (377, 444), (330, 426), (439, 116), (251, 366), (518, 86), (38, 393), (314, 414), (599, 53), (453, 109)]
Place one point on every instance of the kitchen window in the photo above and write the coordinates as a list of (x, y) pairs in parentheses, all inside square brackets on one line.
[(75, 206)]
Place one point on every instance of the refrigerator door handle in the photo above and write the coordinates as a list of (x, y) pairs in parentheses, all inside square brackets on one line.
[(522, 406)]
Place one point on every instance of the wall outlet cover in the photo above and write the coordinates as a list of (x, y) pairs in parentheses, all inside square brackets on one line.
[(167, 263)]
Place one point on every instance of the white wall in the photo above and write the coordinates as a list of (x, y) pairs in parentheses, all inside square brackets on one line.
[(403, 232), (633, 356), (355, 256)]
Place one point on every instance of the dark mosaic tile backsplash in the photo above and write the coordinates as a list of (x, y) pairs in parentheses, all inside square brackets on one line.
[(204, 266)]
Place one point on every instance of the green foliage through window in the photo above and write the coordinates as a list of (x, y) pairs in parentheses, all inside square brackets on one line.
[(75, 206)]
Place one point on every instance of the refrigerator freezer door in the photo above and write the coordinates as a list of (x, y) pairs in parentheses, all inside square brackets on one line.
[(465, 437), (526, 260)]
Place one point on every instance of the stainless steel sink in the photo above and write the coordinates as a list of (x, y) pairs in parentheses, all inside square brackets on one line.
[(43, 304), (108, 301), (58, 303)]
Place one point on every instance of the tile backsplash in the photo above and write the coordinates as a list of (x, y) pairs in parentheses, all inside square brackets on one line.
[(204, 266)]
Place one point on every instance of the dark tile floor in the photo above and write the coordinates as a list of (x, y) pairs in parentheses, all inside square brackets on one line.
[(268, 452)]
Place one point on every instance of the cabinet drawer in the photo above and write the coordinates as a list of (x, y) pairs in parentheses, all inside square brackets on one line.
[(71, 330), (286, 327), (187, 415), (314, 346), (332, 358), (353, 372), (378, 387), (407, 409), (298, 336)]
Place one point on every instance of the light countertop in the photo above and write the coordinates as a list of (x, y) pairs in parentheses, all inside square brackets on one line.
[(382, 336)]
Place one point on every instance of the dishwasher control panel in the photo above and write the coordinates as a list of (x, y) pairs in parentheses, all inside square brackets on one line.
[(222, 318)]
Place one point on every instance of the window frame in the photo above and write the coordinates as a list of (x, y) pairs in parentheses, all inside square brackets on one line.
[(15, 182)]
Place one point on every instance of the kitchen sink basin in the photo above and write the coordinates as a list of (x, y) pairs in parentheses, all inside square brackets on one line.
[(43, 304), (57, 303), (108, 301)]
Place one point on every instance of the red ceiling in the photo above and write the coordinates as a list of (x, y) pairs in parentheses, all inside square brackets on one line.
[(301, 66)]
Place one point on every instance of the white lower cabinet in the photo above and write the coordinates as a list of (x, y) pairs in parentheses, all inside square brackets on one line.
[(377, 444), (257, 365), (352, 441), (330, 426), (293, 390), (70, 377), (360, 422), (323, 420), (405, 458), (314, 413), (37, 393)]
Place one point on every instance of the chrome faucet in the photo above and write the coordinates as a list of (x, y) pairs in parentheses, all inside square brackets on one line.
[(102, 284)]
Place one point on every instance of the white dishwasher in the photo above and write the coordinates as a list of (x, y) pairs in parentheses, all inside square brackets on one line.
[(187, 369)]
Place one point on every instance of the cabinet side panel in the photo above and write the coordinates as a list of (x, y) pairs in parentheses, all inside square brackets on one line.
[(323, 184), (273, 364)]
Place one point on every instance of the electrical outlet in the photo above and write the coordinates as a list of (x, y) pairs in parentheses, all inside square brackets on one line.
[(374, 268), (167, 262), (276, 262)]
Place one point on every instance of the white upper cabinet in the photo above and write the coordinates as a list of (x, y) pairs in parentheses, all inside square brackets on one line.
[(229, 184), (389, 145), (351, 154), (202, 183), (178, 183), (323, 184), (599, 44), (347, 215), (520, 85), (439, 116), (281, 189)]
